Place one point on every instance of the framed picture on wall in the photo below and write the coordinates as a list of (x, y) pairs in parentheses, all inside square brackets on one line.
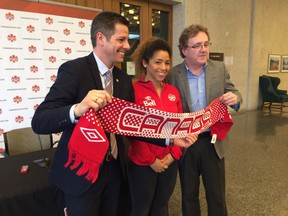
[(274, 63), (284, 64)]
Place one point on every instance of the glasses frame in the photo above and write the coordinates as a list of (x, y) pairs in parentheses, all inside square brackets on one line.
[(200, 46)]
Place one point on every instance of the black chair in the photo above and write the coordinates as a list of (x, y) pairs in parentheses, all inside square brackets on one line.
[(275, 82), (272, 97), (24, 140)]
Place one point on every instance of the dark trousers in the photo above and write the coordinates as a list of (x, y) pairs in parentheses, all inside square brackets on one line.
[(151, 191), (202, 159), (102, 197)]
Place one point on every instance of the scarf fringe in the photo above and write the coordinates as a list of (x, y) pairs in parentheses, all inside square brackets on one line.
[(88, 167)]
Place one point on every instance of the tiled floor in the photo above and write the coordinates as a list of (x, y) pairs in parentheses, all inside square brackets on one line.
[(256, 167)]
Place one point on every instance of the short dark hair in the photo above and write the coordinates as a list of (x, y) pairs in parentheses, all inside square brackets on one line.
[(105, 23), (146, 50), (187, 33)]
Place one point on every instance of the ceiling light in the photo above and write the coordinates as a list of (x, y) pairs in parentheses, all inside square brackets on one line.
[(131, 11)]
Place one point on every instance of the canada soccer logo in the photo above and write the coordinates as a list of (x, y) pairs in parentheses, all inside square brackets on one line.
[(13, 58), (11, 37), (53, 78), (49, 20), (171, 97), (19, 119), (36, 88), (30, 28), (52, 59), (32, 49), (9, 16), (51, 40), (68, 50), (66, 32), (35, 106), (34, 69), (81, 24), (82, 42), (15, 79), (17, 99)]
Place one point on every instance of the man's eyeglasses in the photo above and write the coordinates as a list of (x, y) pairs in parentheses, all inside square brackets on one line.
[(200, 46)]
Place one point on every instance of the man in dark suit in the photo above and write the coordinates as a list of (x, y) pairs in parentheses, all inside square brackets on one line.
[(80, 86), (200, 81)]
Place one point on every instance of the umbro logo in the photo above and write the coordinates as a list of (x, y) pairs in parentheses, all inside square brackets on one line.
[(92, 135)]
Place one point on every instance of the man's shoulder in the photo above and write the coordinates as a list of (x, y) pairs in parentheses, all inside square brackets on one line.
[(120, 71), (177, 68), (213, 63), (79, 60)]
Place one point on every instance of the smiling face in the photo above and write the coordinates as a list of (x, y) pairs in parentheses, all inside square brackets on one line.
[(157, 67), (113, 51), (197, 56)]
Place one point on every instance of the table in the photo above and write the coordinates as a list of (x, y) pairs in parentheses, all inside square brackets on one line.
[(31, 193)]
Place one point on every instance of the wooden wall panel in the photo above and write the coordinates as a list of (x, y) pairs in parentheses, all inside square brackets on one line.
[(107, 6), (81, 3), (60, 1), (98, 4), (73, 2)]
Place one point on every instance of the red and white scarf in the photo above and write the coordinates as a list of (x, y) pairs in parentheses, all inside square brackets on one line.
[(88, 143)]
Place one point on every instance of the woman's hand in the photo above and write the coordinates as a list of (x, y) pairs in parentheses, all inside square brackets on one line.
[(158, 166), (168, 159)]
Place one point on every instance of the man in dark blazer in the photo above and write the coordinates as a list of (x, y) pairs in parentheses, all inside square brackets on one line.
[(200, 81), (79, 87)]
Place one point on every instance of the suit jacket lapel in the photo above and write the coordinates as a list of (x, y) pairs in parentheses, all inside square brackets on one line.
[(116, 82), (208, 83), (183, 84), (97, 79), (95, 72), (211, 77)]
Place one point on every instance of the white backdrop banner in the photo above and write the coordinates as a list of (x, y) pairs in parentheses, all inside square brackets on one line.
[(33, 46)]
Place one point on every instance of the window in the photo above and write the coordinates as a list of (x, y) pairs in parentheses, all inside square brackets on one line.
[(146, 19)]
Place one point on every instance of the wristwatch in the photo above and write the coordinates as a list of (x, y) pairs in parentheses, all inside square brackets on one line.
[(171, 142)]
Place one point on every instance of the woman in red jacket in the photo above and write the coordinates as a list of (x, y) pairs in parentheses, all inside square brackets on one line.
[(152, 170)]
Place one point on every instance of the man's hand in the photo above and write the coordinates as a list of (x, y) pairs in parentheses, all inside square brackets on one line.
[(229, 99), (187, 141), (95, 99)]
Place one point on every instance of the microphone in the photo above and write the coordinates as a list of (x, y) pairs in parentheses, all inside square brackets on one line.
[(44, 161)]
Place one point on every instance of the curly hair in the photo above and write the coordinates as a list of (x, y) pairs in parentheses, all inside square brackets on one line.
[(189, 32), (145, 51)]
